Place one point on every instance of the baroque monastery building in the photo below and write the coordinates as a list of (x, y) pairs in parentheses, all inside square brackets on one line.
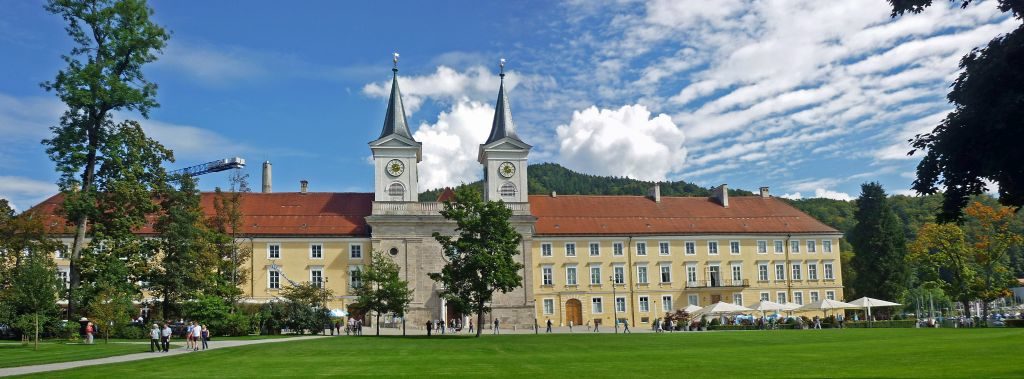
[(585, 257)]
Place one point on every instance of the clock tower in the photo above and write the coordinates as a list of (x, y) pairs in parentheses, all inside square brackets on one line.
[(395, 152), (504, 155)]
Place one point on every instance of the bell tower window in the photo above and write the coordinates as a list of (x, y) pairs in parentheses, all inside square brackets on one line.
[(396, 191), (507, 190)]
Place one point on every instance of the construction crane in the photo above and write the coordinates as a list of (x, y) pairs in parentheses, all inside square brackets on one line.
[(208, 167)]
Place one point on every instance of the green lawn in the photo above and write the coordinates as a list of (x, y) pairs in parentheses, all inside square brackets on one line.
[(13, 354), (826, 353)]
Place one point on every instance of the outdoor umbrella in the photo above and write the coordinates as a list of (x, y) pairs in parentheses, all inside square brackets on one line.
[(338, 313), (867, 302), (691, 308), (722, 308), (767, 305), (826, 304)]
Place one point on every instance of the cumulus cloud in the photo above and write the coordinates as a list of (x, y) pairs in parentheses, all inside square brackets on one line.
[(24, 192), (450, 145), (446, 84), (820, 193), (622, 142)]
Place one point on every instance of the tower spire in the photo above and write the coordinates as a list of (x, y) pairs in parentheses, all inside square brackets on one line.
[(395, 121), (502, 126)]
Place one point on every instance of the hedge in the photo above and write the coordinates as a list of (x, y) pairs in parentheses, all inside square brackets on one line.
[(881, 324), (1016, 323)]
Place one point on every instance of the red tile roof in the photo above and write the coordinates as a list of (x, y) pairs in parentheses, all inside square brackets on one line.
[(619, 215), (289, 213)]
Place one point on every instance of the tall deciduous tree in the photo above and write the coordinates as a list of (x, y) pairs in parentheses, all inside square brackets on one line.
[(113, 40), (988, 117), (35, 291), (306, 307), (879, 247), (991, 232), (382, 289), (224, 225), (941, 255), (480, 258), (186, 267)]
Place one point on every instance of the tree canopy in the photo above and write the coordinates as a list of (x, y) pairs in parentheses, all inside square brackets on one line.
[(382, 289), (879, 247)]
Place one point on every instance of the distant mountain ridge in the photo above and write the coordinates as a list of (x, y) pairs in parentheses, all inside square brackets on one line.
[(552, 177)]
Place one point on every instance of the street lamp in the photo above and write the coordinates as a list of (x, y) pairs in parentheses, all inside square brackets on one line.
[(615, 305)]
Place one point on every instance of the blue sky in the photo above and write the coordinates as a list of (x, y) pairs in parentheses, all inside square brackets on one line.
[(811, 98)]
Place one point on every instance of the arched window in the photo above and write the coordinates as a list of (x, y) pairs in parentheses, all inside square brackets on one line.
[(396, 190), (507, 190)]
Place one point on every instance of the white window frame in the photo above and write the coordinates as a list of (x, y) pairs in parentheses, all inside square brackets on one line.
[(618, 249), (831, 295), (312, 278), (644, 303), (595, 249), (641, 249), (812, 247), (312, 249), (737, 298), (666, 303), (619, 274), (693, 299), (812, 271), (763, 275), (712, 247), (826, 246), (779, 246), (779, 266), (829, 271), (354, 280), (661, 272), (762, 246), (690, 248), (353, 249), (691, 275), (270, 250), (814, 296), (664, 248), (570, 249), (794, 246), (737, 273), (273, 279), (620, 304), (572, 279), (547, 274), (548, 306), (595, 278), (545, 249), (63, 277), (798, 297), (642, 275), (738, 247), (780, 297), (765, 296), (796, 271), (597, 305)]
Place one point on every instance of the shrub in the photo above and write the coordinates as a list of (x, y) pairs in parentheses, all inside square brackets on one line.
[(1018, 323), (130, 331), (881, 324)]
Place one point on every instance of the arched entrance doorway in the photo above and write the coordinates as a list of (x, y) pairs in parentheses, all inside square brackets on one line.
[(573, 312)]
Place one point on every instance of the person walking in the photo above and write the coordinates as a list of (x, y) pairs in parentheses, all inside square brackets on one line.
[(89, 330), (625, 327), (570, 326), (549, 326), (430, 327), (154, 339), (206, 337), (337, 327), (597, 324), (441, 323), (495, 325), (471, 325), (188, 336), (165, 337), (197, 335)]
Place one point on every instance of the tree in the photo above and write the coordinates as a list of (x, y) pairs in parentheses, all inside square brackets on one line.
[(941, 255), (988, 116), (990, 232), (480, 259), (35, 290), (306, 307), (224, 226), (185, 268), (113, 40), (382, 289), (879, 247)]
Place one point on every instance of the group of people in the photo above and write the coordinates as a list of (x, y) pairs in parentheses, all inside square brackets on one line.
[(353, 327), (196, 336), (440, 326)]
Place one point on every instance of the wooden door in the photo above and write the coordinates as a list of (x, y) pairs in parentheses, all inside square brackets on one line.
[(573, 312)]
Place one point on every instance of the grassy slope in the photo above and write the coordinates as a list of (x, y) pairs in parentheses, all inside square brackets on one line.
[(13, 354), (831, 353)]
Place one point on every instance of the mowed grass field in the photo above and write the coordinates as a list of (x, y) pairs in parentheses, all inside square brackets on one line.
[(13, 354), (931, 353)]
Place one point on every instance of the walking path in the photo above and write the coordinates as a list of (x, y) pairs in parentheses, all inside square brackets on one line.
[(139, 356)]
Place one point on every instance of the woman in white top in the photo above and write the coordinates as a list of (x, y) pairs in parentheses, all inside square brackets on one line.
[(197, 335)]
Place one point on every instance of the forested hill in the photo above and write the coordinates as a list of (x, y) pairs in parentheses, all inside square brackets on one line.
[(548, 177)]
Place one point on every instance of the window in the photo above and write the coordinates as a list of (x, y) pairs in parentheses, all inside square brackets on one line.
[(826, 246), (762, 272), (666, 273), (798, 297), (812, 271), (62, 252), (641, 248), (620, 304), (316, 277), (273, 251), (507, 190), (762, 247), (645, 304), (794, 246), (273, 279), (547, 275), (570, 249), (316, 251), (666, 303), (765, 296), (691, 275), (693, 300), (734, 247), (355, 277), (595, 249), (620, 274), (663, 248), (814, 296), (641, 274), (780, 297), (549, 306), (617, 249), (595, 274), (737, 298), (737, 274), (396, 190), (356, 251), (691, 248), (828, 272), (62, 277), (570, 276), (811, 247), (596, 306), (712, 247), (831, 295), (780, 272), (545, 249), (796, 271), (778, 247)]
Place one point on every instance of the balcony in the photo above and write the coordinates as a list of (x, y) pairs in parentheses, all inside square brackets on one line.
[(718, 284)]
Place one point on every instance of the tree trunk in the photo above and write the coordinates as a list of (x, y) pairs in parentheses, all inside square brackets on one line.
[(37, 331), (82, 223), (984, 312), (479, 318), (967, 307), (378, 324)]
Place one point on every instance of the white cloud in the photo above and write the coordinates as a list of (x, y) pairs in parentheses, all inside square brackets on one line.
[(24, 192), (622, 142), (820, 193), (27, 119), (450, 145), (448, 85), (192, 142)]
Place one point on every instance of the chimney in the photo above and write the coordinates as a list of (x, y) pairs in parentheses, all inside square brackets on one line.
[(764, 192), (266, 177), (656, 193), (303, 186), (721, 195), (554, 194)]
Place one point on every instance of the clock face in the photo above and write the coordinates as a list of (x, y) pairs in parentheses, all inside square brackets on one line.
[(507, 169), (395, 167)]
